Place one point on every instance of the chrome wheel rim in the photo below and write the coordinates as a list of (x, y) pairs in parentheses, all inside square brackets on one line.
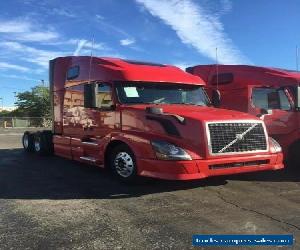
[(37, 144), (25, 141), (123, 164)]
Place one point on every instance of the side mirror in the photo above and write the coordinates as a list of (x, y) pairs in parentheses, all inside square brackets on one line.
[(265, 112), (113, 107), (154, 110), (297, 103), (89, 95), (216, 98)]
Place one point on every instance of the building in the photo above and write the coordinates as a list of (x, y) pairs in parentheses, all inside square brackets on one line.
[(11, 108)]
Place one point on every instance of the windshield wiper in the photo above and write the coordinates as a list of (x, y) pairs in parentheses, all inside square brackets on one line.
[(187, 103)]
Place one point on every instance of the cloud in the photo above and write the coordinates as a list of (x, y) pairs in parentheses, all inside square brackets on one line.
[(41, 57), (22, 77), (80, 45), (37, 36), (99, 17), (126, 42), (14, 26), (15, 41), (9, 66), (63, 12), (24, 30), (30, 54), (183, 65), (27, 41), (88, 44), (110, 29), (83, 45), (115, 31), (226, 6), (197, 28)]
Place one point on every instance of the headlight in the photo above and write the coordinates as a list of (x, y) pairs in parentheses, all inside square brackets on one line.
[(274, 146), (168, 151)]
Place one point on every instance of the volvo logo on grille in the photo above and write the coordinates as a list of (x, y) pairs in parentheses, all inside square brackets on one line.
[(239, 137)]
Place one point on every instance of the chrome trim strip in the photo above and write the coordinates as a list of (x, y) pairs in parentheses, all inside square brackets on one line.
[(75, 139), (90, 143), (86, 158), (235, 121)]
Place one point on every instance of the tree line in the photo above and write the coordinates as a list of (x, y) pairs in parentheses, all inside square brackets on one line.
[(33, 103)]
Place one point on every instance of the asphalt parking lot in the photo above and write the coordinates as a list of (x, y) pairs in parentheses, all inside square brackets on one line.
[(52, 203)]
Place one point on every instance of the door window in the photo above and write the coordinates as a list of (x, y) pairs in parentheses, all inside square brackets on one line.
[(270, 98), (104, 96)]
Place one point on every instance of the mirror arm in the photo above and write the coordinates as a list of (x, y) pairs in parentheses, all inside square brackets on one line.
[(297, 106)]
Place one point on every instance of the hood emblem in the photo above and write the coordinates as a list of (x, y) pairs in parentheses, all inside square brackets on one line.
[(239, 137)]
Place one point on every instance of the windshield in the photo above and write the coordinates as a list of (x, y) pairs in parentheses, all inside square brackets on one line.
[(166, 93), (270, 98)]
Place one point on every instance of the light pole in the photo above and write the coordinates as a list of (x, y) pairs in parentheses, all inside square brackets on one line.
[(15, 96), (1, 98)]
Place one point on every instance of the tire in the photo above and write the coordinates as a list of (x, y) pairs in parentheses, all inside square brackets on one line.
[(41, 145), (49, 138), (123, 164), (27, 141), (294, 157)]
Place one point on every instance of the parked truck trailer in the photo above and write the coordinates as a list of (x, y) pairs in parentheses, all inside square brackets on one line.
[(270, 93), (147, 119)]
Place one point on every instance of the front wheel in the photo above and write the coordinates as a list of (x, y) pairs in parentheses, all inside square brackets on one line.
[(123, 164)]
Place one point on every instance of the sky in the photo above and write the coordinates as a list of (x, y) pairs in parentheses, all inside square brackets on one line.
[(179, 32)]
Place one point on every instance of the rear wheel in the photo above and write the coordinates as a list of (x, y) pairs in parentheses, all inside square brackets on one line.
[(27, 141), (49, 138), (123, 164), (43, 143)]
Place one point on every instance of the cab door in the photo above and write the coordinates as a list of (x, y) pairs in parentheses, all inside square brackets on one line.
[(99, 122), (280, 119)]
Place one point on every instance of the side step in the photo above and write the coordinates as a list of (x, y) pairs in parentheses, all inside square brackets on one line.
[(88, 158), (90, 143)]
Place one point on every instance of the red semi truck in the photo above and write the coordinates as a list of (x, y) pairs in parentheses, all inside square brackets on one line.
[(272, 93), (147, 119)]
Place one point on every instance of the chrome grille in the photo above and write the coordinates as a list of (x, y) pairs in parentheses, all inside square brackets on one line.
[(236, 137)]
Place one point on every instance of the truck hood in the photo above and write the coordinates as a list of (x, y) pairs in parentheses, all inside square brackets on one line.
[(201, 113), (190, 134)]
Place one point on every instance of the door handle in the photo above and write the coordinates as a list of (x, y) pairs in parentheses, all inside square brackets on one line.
[(87, 128), (89, 141)]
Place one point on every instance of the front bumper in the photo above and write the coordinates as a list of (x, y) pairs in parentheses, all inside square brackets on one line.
[(199, 169)]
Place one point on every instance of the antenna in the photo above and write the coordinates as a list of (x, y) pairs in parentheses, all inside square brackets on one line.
[(216, 95), (297, 58), (217, 68), (91, 59)]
